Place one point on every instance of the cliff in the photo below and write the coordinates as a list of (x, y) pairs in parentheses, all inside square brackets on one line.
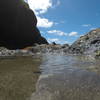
[(18, 25)]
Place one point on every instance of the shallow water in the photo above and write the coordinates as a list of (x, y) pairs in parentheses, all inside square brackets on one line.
[(17, 78), (50, 77), (68, 78)]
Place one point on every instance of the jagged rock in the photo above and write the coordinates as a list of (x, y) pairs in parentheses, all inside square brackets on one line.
[(50, 48), (32, 50), (6, 53), (97, 54), (65, 46), (53, 43), (87, 44), (18, 25)]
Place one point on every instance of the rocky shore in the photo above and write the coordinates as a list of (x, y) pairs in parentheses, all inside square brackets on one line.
[(88, 44), (19, 30), (30, 51), (6, 53)]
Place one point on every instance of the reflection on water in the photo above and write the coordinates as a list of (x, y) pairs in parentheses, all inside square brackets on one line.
[(17, 78), (50, 77), (56, 63), (68, 78)]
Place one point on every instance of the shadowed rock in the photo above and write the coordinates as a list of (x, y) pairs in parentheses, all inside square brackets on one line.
[(18, 25)]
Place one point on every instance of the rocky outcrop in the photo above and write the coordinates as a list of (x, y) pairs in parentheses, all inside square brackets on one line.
[(6, 53), (51, 48), (18, 25), (33, 50), (87, 44)]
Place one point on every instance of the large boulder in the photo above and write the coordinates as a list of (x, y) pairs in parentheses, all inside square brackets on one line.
[(18, 25), (87, 44)]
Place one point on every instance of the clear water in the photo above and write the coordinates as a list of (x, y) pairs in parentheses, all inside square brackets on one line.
[(50, 77), (68, 78)]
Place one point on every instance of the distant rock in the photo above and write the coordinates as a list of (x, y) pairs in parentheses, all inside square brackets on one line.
[(6, 53), (33, 50), (53, 43), (18, 25), (50, 48), (87, 44)]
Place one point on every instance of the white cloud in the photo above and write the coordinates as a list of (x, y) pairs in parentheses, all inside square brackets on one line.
[(86, 25), (57, 32), (53, 40), (40, 6), (73, 34), (56, 40), (43, 22)]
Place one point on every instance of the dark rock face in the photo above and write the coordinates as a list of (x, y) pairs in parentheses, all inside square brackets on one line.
[(87, 44), (18, 25)]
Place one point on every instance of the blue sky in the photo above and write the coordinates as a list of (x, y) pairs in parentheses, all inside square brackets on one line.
[(64, 21)]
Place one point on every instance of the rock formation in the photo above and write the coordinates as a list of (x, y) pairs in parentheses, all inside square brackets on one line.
[(18, 25), (87, 44)]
